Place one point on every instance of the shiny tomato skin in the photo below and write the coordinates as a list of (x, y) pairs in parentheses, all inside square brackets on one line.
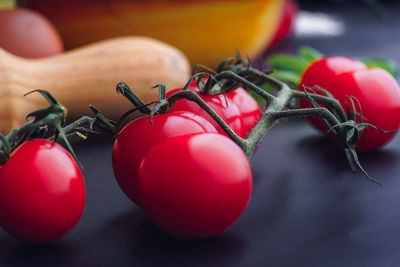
[(42, 192), (379, 96), (195, 186), (322, 73), (137, 137), (29, 34), (248, 107), (224, 107)]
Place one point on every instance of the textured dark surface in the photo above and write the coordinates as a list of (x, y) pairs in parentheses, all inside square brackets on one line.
[(307, 208)]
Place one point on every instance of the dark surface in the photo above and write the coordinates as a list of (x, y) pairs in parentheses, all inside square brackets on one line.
[(307, 209)]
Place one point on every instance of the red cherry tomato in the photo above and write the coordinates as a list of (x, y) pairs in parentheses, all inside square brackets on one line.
[(375, 89), (379, 96), (224, 107), (195, 186), (136, 138), (27, 33), (238, 109), (42, 192), (321, 73), (248, 107)]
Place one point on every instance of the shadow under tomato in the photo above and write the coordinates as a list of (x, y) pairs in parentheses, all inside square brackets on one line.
[(140, 239), (41, 254), (334, 157)]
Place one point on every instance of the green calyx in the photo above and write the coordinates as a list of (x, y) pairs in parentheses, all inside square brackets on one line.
[(48, 123), (39, 126)]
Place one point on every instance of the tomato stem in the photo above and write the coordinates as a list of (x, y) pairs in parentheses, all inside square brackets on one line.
[(345, 129), (53, 116), (235, 72), (194, 97)]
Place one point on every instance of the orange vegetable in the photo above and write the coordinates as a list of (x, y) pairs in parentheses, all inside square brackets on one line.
[(88, 75)]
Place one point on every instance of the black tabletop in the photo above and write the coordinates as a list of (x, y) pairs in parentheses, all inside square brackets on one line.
[(307, 207)]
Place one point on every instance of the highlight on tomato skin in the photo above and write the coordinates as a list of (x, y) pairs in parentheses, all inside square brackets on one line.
[(379, 97), (200, 187), (224, 107), (322, 72), (137, 137), (42, 192), (237, 108), (248, 107), (376, 90)]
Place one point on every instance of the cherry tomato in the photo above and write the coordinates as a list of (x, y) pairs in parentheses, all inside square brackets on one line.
[(27, 33), (379, 96), (238, 109), (195, 186), (248, 107), (321, 73), (42, 192), (136, 138), (375, 89)]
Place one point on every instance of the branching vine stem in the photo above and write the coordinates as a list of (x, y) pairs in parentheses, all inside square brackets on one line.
[(54, 117), (269, 118), (232, 74)]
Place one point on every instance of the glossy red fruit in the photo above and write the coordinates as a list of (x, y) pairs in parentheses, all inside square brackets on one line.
[(42, 192), (379, 96), (323, 71), (136, 138), (224, 107), (195, 186), (375, 89), (238, 109), (248, 107)]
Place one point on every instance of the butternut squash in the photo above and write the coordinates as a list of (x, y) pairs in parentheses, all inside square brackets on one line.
[(89, 75), (207, 31)]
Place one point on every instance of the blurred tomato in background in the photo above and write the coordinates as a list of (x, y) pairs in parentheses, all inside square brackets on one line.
[(27, 33), (286, 23)]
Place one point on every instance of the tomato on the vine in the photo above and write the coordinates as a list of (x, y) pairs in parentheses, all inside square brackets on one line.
[(42, 192), (321, 73), (379, 96), (248, 108), (375, 89), (237, 108), (137, 137), (195, 186)]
